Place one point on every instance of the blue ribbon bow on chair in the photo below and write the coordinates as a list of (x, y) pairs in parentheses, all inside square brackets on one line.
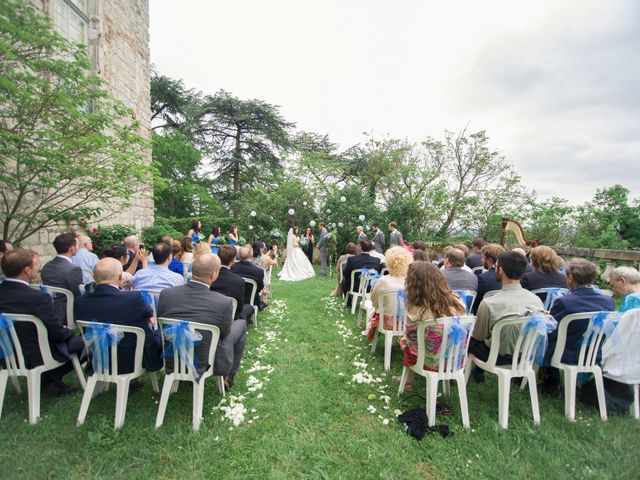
[(374, 279), (6, 347), (148, 299), (604, 322), (467, 299), (457, 335), (182, 339), (552, 294), (542, 325), (100, 337)]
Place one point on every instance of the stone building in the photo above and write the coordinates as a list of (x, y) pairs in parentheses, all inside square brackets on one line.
[(117, 35)]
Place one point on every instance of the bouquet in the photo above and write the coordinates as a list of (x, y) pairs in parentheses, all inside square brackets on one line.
[(304, 241)]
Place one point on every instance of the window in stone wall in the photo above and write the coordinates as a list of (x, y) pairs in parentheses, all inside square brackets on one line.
[(72, 21)]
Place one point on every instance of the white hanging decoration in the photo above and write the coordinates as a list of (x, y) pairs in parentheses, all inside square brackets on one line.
[(312, 223), (361, 217), (340, 224), (328, 211), (304, 203), (250, 227), (253, 213), (333, 225), (343, 199), (291, 211)]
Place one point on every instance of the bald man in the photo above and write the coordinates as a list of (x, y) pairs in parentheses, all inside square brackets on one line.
[(246, 269), (195, 302), (108, 304), (85, 258)]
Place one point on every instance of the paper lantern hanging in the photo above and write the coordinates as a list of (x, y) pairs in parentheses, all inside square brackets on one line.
[(291, 211), (333, 225), (250, 227), (304, 203), (343, 199), (253, 213), (328, 211), (340, 224), (361, 217), (312, 223)]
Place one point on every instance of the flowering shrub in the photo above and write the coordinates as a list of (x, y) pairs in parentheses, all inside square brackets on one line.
[(102, 237)]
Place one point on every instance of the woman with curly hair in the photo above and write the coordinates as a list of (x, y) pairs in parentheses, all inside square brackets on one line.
[(428, 297), (546, 265)]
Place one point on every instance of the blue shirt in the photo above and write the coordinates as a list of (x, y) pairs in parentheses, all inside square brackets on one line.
[(156, 278), (86, 260), (630, 301), (176, 266)]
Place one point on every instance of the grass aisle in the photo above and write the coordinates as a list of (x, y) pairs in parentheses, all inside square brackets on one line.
[(310, 402)]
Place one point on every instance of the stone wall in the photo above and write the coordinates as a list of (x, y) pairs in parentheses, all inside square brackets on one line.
[(118, 37)]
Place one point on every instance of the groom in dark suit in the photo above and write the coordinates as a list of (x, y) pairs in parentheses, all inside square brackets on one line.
[(364, 260), (108, 304), (16, 296), (197, 303), (62, 273)]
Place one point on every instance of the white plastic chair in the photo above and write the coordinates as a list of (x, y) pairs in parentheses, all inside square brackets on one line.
[(340, 273), (181, 373), (384, 271), (546, 291), (467, 293), (55, 291), (109, 374), (351, 292), (447, 370), (365, 294), (399, 322), (586, 363), (521, 366), (254, 289), (16, 365), (635, 407), (155, 297)]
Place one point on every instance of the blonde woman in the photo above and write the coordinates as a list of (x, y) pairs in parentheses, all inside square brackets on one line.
[(397, 260), (546, 265), (201, 249)]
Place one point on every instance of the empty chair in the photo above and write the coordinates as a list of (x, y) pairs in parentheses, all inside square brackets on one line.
[(254, 289), (354, 294), (182, 370), (526, 348), (11, 350), (398, 321), (452, 359)]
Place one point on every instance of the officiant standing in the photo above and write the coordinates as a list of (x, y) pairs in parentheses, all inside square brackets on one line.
[(322, 248), (310, 243)]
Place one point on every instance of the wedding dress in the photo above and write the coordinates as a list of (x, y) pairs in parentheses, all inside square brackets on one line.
[(297, 265)]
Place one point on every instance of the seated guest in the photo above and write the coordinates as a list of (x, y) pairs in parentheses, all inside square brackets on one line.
[(379, 256), (428, 298), (195, 302), (120, 253), (465, 251), (364, 260), (62, 273), (350, 251), (21, 266), (246, 269), (524, 254), (420, 256), (176, 265), (546, 263), (5, 247), (625, 283), (134, 262), (232, 285), (475, 259), (108, 304), (398, 260), (457, 278), (186, 243), (512, 301), (84, 257), (263, 259), (488, 282), (158, 276), (418, 245), (582, 298)]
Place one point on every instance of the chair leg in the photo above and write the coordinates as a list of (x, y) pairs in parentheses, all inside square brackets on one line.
[(570, 381), (431, 397), (354, 303), (374, 342), (16, 385), (635, 408), (523, 384), (462, 394), (33, 390), (504, 389), (154, 382), (78, 369), (467, 368), (255, 316), (221, 388), (86, 399), (174, 387), (388, 342), (4, 375), (122, 395), (164, 399), (403, 380), (533, 392), (198, 401), (446, 388), (602, 403)]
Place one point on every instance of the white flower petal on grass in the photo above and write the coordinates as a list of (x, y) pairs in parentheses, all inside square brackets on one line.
[(385, 421), (371, 409)]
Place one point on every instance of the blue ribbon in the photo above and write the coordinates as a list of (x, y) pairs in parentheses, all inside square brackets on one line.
[(542, 325), (467, 299), (149, 299), (457, 335), (603, 322), (374, 279), (182, 339), (43, 289), (100, 337), (6, 346), (552, 294)]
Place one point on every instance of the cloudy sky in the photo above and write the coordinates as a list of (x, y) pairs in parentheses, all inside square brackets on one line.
[(556, 84)]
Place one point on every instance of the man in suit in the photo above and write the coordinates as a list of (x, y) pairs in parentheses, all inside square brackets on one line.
[(475, 259), (395, 237), (378, 238), (322, 248), (488, 282), (230, 284), (457, 278), (16, 296), (108, 304), (364, 260), (246, 269), (85, 258), (582, 298), (61, 272), (197, 303)]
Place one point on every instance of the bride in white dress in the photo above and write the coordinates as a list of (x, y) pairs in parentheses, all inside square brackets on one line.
[(297, 265)]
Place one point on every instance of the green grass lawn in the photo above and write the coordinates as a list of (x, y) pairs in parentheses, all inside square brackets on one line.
[(310, 420)]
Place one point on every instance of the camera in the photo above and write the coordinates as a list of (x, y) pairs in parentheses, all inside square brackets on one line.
[(141, 246)]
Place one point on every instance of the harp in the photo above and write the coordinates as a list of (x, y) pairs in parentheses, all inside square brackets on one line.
[(513, 226)]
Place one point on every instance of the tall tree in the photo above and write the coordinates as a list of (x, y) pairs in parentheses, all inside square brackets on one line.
[(172, 104), (65, 143)]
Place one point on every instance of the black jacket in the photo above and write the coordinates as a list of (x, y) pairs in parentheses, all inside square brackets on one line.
[(249, 270), (231, 285)]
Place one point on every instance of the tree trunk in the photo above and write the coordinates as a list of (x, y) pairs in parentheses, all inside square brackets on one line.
[(236, 162)]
